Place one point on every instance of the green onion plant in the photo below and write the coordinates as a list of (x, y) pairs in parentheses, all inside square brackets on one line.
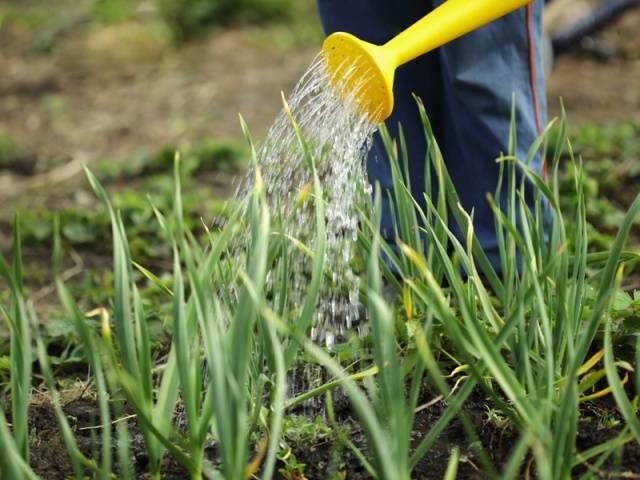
[(522, 330)]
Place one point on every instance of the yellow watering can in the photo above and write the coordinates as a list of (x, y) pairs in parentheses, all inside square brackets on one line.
[(367, 70)]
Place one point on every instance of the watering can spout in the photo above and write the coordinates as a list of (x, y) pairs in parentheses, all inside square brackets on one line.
[(366, 71), (362, 70)]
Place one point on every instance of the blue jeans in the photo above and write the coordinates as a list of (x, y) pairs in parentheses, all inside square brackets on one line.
[(467, 87)]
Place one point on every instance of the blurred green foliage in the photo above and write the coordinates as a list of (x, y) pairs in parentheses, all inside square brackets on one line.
[(207, 155), (139, 184), (610, 155), (111, 11), (25, 17), (7, 149), (188, 17)]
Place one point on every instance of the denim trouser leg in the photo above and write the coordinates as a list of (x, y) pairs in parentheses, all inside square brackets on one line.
[(467, 87), (482, 71)]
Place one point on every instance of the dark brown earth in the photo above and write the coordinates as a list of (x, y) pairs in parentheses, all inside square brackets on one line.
[(497, 439), (50, 459)]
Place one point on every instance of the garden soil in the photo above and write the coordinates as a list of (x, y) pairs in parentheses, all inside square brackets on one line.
[(600, 422)]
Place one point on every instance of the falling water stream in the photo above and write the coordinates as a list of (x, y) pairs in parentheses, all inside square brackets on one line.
[(339, 138)]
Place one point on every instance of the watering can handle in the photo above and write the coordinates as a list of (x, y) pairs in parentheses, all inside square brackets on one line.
[(449, 21)]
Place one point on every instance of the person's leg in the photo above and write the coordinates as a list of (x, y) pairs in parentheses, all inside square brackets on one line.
[(378, 21), (481, 72)]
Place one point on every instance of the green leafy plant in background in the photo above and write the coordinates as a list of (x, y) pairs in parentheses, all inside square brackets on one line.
[(188, 17), (7, 150), (206, 156), (610, 170), (147, 188), (111, 11)]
